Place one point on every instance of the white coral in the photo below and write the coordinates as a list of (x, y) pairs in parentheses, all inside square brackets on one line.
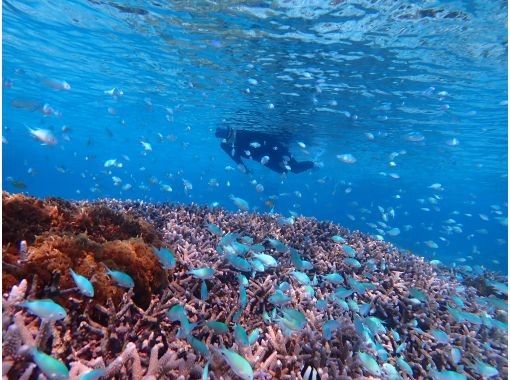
[(17, 293)]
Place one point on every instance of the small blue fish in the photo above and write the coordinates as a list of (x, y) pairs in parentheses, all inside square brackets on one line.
[(440, 336), (458, 301), (257, 265), (202, 273), (340, 302), (228, 238), (240, 203), (353, 306), (371, 264), (198, 345), (247, 239), (309, 290), (334, 278), (404, 366), (166, 257), (418, 294), (301, 277), (381, 352), (401, 348), (217, 326), (51, 367), (295, 259), (338, 239), (238, 364), (93, 374), (266, 317), (242, 279), (343, 292), (121, 278), (369, 364), (239, 263), (268, 260), (364, 309), (358, 286), (177, 313), (243, 296), (352, 262), (241, 336), (237, 315), (321, 304), (282, 221), (239, 248), (214, 229), (391, 372), (284, 286), (447, 375), (456, 355), (292, 320), (375, 325), (278, 245), (329, 327), (45, 309), (349, 251), (278, 298), (186, 328), (204, 292), (499, 287), (205, 372), (472, 318), (257, 248), (83, 283), (254, 336), (485, 370)]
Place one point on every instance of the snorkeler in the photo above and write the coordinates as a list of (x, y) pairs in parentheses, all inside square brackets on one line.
[(261, 147)]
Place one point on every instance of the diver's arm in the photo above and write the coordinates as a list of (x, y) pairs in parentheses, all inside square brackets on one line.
[(299, 167)]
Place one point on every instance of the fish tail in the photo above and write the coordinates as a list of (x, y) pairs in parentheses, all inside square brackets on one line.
[(108, 271)]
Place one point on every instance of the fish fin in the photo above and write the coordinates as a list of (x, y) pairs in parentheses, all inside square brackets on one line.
[(108, 270)]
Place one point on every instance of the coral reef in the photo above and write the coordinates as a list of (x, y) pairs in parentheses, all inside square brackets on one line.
[(63, 236), (129, 334)]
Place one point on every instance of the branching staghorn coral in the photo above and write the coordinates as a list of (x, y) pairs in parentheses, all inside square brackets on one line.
[(131, 341)]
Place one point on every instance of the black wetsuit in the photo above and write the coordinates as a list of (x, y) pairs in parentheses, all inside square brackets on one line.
[(236, 143)]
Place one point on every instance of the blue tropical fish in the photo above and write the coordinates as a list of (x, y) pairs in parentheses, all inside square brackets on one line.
[(83, 283), (166, 257), (51, 367), (45, 309), (121, 278)]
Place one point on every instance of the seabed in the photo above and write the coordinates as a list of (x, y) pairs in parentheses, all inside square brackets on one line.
[(387, 308)]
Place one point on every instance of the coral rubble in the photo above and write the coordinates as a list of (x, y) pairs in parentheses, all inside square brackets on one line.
[(129, 333)]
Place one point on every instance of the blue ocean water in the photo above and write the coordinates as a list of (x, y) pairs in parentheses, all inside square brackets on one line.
[(401, 105)]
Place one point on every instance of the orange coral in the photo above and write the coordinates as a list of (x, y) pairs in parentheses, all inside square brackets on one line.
[(22, 218), (62, 236)]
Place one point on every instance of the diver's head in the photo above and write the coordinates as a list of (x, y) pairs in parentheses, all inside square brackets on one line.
[(222, 132)]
